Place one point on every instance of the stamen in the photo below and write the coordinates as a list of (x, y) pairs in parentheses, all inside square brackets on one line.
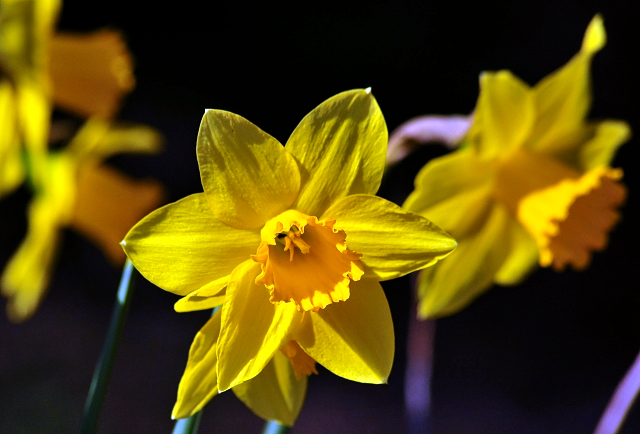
[(291, 238)]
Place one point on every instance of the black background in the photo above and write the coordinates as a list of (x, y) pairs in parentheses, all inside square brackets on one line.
[(543, 357)]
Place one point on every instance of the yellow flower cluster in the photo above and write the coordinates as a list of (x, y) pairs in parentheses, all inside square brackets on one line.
[(86, 75), (290, 243)]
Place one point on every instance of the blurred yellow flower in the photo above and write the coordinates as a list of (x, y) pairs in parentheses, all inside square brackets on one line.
[(86, 75), (530, 184), (292, 242), (80, 193)]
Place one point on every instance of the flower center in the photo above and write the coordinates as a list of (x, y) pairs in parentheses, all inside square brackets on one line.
[(569, 214), (306, 261)]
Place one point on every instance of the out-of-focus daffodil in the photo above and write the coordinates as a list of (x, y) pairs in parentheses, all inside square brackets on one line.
[(531, 183), (292, 242), (86, 75), (78, 192)]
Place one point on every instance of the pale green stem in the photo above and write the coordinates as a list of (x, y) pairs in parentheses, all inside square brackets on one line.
[(101, 375), (190, 424), (273, 427), (621, 401)]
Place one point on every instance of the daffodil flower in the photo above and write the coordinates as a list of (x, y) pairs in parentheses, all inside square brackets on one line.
[(292, 242), (530, 184), (85, 74), (80, 193)]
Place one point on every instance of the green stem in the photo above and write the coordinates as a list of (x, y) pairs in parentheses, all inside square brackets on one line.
[(273, 427), (101, 375), (189, 425)]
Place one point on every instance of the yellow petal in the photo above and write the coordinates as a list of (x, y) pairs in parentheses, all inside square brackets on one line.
[(452, 284), (275, 393), (563, 98), (90, 73), (503, 116), (26, 276), (393, 241), (353, 339), (595, 36), (34, 115), (108, 204), (454, 191), (601, 148), (248, 177), (253, 329), (191, 303), (99, 139), (341, 148), (209, 296), (25, 30), (182, 246), (522, 258), (11, 164), (199, 382)]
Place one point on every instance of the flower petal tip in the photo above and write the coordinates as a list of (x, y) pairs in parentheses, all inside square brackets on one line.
[(595, 37), (368, 91)]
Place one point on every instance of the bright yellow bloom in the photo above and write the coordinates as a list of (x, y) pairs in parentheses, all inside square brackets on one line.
[(292, 242), (84, 74), (530, 184), (80, 193)]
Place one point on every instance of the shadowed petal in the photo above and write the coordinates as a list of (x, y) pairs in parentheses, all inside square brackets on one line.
[(522, 257), (353, 339), (452, 284), (275, 393), (563, 98), (454, 192), (199, 382), (504, 115), (601, 148)]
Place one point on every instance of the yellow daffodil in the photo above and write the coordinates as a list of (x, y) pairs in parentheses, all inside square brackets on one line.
[(78, 192), (84, 74), (292, 242), (531, 183)]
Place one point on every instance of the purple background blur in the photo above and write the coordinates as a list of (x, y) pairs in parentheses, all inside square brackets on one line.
[(543, 357)]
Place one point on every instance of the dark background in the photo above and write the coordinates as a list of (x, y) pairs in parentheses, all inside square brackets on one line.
[(543, 357)]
